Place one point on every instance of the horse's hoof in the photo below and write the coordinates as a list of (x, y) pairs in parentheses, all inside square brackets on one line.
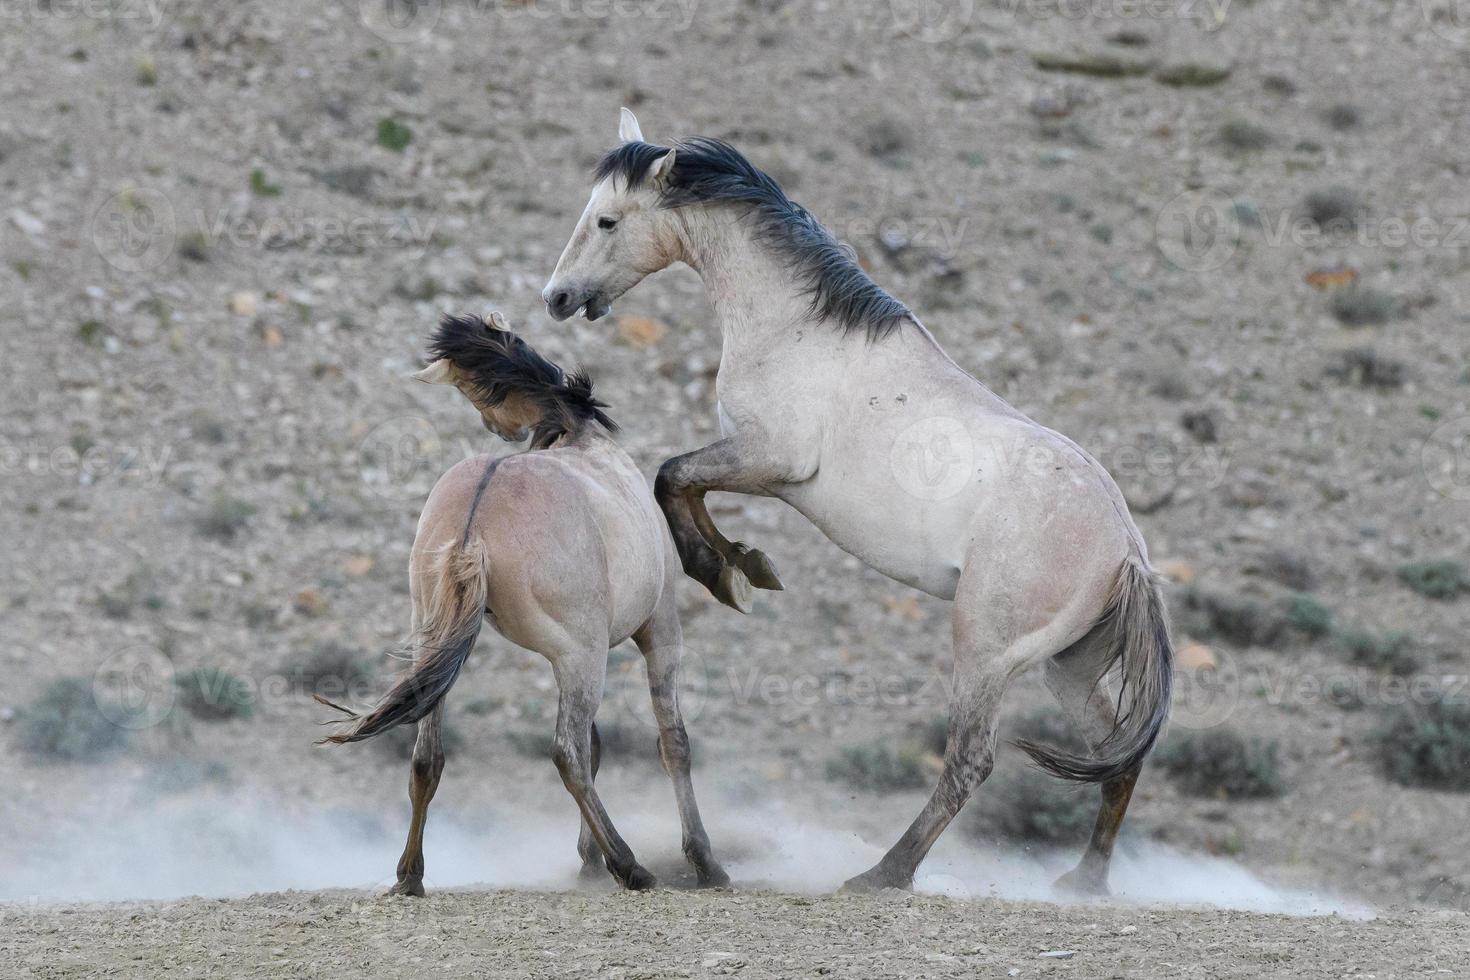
[(875, 880), (733, 589), (1080, 883), (711, 875), (639, 879), (412, 886), (758, 568), (592, 870)]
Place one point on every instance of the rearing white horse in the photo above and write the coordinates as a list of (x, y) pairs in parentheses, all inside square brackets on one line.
[(834, 398)]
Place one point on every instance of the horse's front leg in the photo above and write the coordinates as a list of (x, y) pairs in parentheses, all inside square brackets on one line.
[(727, 568)]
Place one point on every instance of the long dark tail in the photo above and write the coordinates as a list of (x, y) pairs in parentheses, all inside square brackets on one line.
[(451, 624), (1139, 625)]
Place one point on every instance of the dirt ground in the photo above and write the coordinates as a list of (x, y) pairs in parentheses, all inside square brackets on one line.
[(226, 230), (687, 934)]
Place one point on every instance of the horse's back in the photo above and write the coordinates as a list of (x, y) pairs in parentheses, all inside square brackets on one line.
[(570, 538)]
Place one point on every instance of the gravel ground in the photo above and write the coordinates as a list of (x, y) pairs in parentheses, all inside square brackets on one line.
[(686, 934)]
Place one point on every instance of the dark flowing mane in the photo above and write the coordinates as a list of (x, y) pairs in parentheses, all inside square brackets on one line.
[(712, 171), (499, 364)]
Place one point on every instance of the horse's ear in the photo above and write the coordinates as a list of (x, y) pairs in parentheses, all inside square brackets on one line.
[(497, 321), (438, 373), (628, 129), (660, 170)]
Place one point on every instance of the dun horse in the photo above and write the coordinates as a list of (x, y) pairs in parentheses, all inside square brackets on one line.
[(563, 551), (834, 398)]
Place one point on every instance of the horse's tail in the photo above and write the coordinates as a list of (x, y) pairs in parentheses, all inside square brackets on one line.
[(451, 621), (1139, 627)]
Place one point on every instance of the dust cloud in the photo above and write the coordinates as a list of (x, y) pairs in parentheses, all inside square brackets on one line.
[(239, 841)]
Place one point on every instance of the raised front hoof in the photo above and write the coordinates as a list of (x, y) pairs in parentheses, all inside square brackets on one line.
[(638, 879), (757, 567), (876, 880), (1081, 883), (733, 589), (412, 886)]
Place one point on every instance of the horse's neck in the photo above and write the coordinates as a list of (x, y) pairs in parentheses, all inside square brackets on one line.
[(759, 306)]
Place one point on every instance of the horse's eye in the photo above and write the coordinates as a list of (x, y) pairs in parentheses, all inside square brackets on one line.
[(606, 223)]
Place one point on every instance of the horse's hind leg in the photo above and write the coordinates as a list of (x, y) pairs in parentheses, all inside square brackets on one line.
[(1073, 678), (969, 756), (662, 645), (1003, 623), (587, 848), (425, 770), (580, 677)]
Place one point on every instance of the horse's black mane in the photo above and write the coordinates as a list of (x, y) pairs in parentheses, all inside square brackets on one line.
[(499, 364), (711, 171)]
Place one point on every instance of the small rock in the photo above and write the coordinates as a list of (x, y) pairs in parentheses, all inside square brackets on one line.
[(28, 223), (358, 565), (309, 602), (1191, 75), (1098, 65), (1338, 275), (1196, 657), (1201, 425), (1058, 954), (639, 332), (271, 335), (244, 304), (1176, 570)]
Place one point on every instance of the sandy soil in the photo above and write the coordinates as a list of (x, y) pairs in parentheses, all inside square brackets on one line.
[(690, 934)]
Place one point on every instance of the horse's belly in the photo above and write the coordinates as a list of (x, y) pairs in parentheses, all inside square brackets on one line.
[(923, 546)]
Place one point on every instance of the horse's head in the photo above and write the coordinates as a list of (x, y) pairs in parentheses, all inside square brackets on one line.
[(471, 353), (623, 234)]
